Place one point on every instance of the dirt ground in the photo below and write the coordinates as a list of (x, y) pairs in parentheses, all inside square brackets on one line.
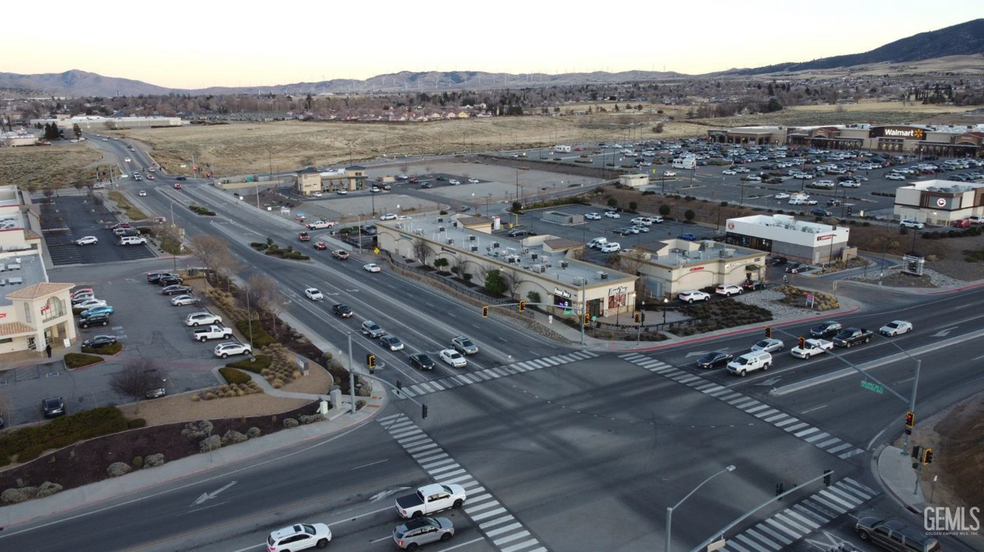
[(48, 166), (180, 408)]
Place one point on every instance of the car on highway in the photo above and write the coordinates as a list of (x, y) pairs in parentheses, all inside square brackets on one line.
[(781, 195), (728, 290), (89, 303), (232, 348), (849, 337), (895, 327), (464, 345), (340, 254), (388, 216), (99, 341), (341, 310), (94, 320), (53, 407), (610, 247), (371, 267), (372, 330), (303, 236), (715, 359), (177, 185), (592, 216), (431, 498), (126, 159), (769, 345), (453, 358), (421, 361), (107, 310), (749, 362), (906, 223), (811, 348), (142, 193), (825, 329), (473, 181), (422, 530), (321, 246), (391, 342), (299, 537), (314, 294), (183, 300), (175, 289), (895, 535), (612, 215), (687, 236), (796, 268), (692, 296)]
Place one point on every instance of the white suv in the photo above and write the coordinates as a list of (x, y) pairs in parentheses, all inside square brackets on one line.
[(610, 247), (202, 319), (299, 537), (905, 223), (749, 362), (728, 290), (232, 348), (692, 296)]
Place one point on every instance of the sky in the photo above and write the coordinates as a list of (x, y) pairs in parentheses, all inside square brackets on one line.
[(185, 44)]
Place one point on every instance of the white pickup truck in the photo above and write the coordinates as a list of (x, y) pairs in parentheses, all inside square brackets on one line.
[(212, 332), (429, 499), (320, 225)]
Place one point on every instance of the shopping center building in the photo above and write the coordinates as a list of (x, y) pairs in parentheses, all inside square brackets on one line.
[(783, 235), (543, 265), (682, 265), (939, 202)]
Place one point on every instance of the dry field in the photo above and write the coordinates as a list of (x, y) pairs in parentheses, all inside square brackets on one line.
[(48, 166), (863, 112)]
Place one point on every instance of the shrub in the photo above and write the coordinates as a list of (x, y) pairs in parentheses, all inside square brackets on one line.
[(28, 443), (261, 363), (117, 469), (633, 205), (210, 443), (260, 336), (232, 437), (204, 211), (110, 349), (137, 462), (689, 215), (253, 432), (259, 246), (231, 375), (136, 423), (290, 423), (153, 461), (47, 489), (664, 210), (78, 360), (612, 202)]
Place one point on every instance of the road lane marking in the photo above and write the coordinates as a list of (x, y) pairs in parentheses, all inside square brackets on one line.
[(814, 409)]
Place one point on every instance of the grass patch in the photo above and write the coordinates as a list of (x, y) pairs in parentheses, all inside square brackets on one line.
[(30, 442), (123, 203), (260, 337), (37, 167), (233, 376), (78, 360), (261, 363), (110, 349)]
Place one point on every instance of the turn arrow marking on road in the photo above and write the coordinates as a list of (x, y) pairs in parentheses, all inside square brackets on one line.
[(696, 353), (770, 381), (209, 496), (944, 332), (383, 494)]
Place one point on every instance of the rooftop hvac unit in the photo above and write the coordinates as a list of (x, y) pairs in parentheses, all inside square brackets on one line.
[(440, 229), (563, 264), (440, 219), (3, 281), (451, 241), (454, 223), (471, 238), (727, 253), (474, 248), (540, 269), (579, 281), (495, 245), (603, 275), (534, 256), (707, 244), (419, 231), (495, 253), (14, 266)]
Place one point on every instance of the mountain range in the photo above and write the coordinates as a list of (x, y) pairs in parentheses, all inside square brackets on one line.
[(962, 39)]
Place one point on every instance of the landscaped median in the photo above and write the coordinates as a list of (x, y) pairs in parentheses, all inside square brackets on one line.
[(80, 360), (128, 208), (274, 250), (110, 349)]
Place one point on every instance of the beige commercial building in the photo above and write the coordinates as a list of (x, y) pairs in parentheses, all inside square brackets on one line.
[(682, 265), (541, 267), (939, 202), (783, 235), (634, 180), (311, 180)]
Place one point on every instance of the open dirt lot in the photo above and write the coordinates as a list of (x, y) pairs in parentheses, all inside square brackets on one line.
[(37, 167)]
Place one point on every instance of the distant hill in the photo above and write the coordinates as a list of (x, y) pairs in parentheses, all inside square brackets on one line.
[(962, 39), (79, 83)]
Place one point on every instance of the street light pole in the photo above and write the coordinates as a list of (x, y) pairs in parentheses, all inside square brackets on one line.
[(912, 403), (642, 318), (351, 374), (669, 510), (584, 310)]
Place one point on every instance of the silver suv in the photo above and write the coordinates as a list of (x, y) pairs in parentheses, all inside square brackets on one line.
[(464, 345), (423, 530), (372, 329)]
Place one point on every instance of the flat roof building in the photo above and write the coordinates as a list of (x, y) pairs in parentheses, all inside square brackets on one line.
[(939, 201), (810, 242), (682, 265), (542, 265)]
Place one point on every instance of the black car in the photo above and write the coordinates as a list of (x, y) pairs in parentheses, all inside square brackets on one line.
[(825, 329), (182, 178), (776, 261), (169, 280), (713, 360), (175, 289), (342, 310), (426, 185), (820, 213), (155, 277), (519, 233), (99, 341), (441, 178), (796, 268), (53, 407), (94, 320), (422, 361)]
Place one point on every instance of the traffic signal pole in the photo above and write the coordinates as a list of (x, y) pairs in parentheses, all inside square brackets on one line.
[(912, 403)]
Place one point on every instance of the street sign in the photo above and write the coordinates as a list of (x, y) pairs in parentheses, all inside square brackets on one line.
[(376, 251), (872, 387), (569, 312)]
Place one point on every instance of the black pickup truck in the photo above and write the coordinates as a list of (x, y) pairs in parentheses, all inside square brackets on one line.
[(849, 337)]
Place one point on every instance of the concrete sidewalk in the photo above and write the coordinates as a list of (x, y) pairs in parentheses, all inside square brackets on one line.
[(173, 473)]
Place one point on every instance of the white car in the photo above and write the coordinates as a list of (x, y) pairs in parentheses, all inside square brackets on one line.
[(641, 221), (454, 182), (612, 215), (87, 240), (728, 172), (752, 178), (342, 192), (372, 267), (692, 296), (610, 247), (811, 348), (895, 327), (299, 537), (313, 294), (126, 159), (895, 176), (850, 184), (906, 223), (202, 319), (655, 220), (642, 229), (596, 243), (375, 190), (142, 193), (669, 173), (823, 184), (388, 216), (781, 195), (453, 358), (728, 290), (473, 181), (769, 345), (183, 300), (232, 348), (89, 303), (592, 216)]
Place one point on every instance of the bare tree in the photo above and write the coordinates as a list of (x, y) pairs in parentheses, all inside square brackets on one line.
[(139, 377), (210, 250), (263, 295), (630, 262), (420, 249), (227, 266)]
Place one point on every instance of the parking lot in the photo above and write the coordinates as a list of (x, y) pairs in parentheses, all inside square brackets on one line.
[(69, 217), (145, 323)]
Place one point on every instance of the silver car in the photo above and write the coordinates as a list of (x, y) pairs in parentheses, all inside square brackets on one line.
[(423, 530), (464, 345), (769, 345)]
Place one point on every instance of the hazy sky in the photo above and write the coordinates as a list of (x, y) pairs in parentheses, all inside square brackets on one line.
[(185, 44)]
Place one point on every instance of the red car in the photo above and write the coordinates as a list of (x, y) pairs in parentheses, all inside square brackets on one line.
[(962, 223), (118, 226), (304, 236), (177, 185), (321, 246)]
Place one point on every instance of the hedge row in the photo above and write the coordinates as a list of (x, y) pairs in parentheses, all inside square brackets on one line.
[(204, 211), (233, 376), (260, 337), (30, 442), (78, 360), (110, 349), (965, 233), (261, 363)]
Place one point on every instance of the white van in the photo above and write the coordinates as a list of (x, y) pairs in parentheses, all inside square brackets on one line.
[(133, 240), (749, 362), (562, 149)]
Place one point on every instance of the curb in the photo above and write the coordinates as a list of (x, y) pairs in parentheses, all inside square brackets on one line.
[(877, 473)]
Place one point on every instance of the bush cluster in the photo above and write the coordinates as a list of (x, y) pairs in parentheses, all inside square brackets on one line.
[(204, 211), (954, 233), (718, 315), (260, 337), (281, 369), (78, 360), (228, 391), (110, 349), (797, 297), (233, 376), (28, 443)]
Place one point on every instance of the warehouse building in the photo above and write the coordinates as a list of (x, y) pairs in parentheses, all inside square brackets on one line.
[(682, 265), (783, 235), (542, 266), (939, 202)]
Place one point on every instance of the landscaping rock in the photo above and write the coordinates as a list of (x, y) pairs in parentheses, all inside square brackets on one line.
[(117, 469), (212, 443), (233, 437), (47, 489), (14, 496), (153, 461), (312, 419), (253, 432), (290, 423)]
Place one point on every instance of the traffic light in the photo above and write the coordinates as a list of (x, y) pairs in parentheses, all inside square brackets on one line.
[(826, 477), (423, 411), (485, 312), (371, 362), (849, 210), (522, 305), (587, 318), (768, 332), (802, 342), (928, 456), (916, 451), (638, 317), (910, 420)]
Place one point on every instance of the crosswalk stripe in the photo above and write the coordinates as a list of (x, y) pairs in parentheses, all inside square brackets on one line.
[(473, 487), (757, 408), (802, 520), (777, 536), (480, 498), (810, 514), (550, 361), (742, 401), (848, 497), (852, 483), (703, 385), (772, 419), (685, 379), (389, 417), (482, 374), (404, 432), (786, 422), (795, 427), (817, 437), (716, 393), (495, 522), (425, 387), (762, 538), (422, 447), (839, 448), (664, 368), (791, 522), (500, 371), (479, 507), (458, 470), (436, 385), (442, 469), (828, 442), (806, 432), (651, 363), (487, 515), (438, 463), (737, 547), (510, 538), (459, 479), (838, 499), (564, 358), (491, 373), (521, 367), (827, 503), (520, 546), (407, 392), (782, 528), (630, 356), (821, 509), (751, 543), (416, 440), (727, 397), (502, 530), (854, 452), (765, 413)]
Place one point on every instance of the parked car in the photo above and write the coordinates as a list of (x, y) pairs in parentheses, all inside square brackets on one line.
[(299, 537), (232, 348), (895, 327), (820, 213), (184, 300), (895, 535), (342, 310), (155, 277), (421, 361), (202, 319), (825, 329), (169, 280), (776, 261), (612, 215), (692, 296), (962, 223), (749, 362), (211, 332), (811, 348), (464, 345), (94, 320), (687, 236), (99, 341), (314, 294), (431, 498), (423, 530), (728, 290), (87, 240), (107, 310), (715, 359), (906, 223), (391, 342), (592, 216), (372, 330), (89, 304), (453, 358), (610, 247), (371, 267), (175, 289), (53, 407), (769, 345), (796, 268), (340, 254)]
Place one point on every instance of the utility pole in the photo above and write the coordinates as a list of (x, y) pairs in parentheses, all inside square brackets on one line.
[(351, 374), (584, 309)]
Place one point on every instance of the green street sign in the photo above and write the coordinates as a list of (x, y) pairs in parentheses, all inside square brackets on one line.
[(569, 312), (872, 387)]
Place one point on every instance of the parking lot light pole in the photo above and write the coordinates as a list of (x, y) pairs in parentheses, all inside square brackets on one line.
[(669, 510), (642, 318)]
